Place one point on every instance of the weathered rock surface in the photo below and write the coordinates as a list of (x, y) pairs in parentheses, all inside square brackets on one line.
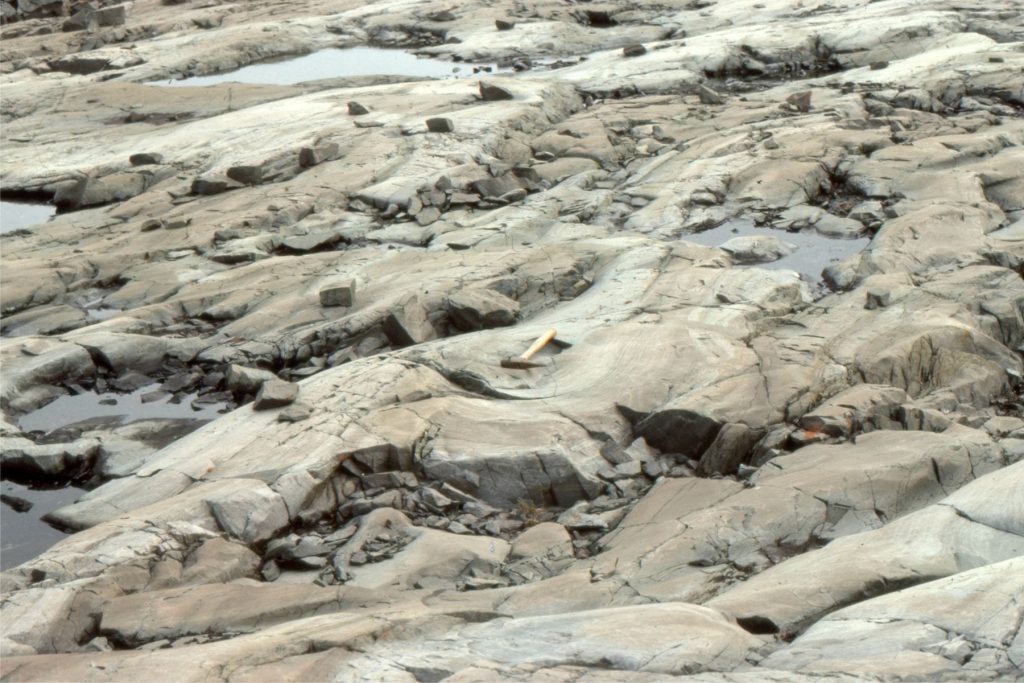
[(776, 456)]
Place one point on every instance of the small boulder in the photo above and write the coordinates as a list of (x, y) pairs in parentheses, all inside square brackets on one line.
[(246, 174), (208, 186), (504, 25), (242, 380), (356, 109), (440, 125), (275, 394), (634, 50), (709, 96), (801, 101), (428, 215), (112, 16), (341, 293), (477, 309), (146, 159), (545, 539), (408, 324), (494, 93), (82, 19), (250, 514), (313, 156)]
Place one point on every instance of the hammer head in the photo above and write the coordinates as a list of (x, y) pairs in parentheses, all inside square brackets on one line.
[(520, 364)]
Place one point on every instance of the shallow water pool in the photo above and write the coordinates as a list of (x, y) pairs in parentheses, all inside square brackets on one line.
[(337, 63), (16, 215), (814, 252)]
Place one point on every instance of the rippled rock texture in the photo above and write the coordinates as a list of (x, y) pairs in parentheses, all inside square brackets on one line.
[(777, 435)]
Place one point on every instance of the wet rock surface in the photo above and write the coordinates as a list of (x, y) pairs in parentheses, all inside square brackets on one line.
[(776, 435)]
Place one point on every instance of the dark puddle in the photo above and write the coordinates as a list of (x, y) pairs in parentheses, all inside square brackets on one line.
[(337, 63), (24, 534), (142, 404), (814, 252), (17, 215)]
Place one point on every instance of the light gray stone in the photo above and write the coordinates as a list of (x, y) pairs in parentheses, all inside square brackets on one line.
[(252, 515)]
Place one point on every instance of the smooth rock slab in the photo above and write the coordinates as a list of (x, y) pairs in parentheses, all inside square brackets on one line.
[(668, 639), (965, 627), (212, 608)]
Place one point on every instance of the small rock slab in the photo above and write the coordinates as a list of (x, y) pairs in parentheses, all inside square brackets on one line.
[(275, 394)]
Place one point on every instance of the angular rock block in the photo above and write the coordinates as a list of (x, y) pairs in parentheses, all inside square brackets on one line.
[(494, 93), (251, 514), (208, 186), (146, 159), (408, 324), (275, 393), (313, 156), (477, 309), (801, 101), (243, 380), (440, 125), (246, 174), (339, 294), (709, 96)]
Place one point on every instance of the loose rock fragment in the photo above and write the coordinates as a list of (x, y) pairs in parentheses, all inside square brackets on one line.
[(247, 175), (800, 101), (493, 93), (408, 324), (440, 125), (145, 159), (341, 293), (709, 96), (275, 394), (313, 156)]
